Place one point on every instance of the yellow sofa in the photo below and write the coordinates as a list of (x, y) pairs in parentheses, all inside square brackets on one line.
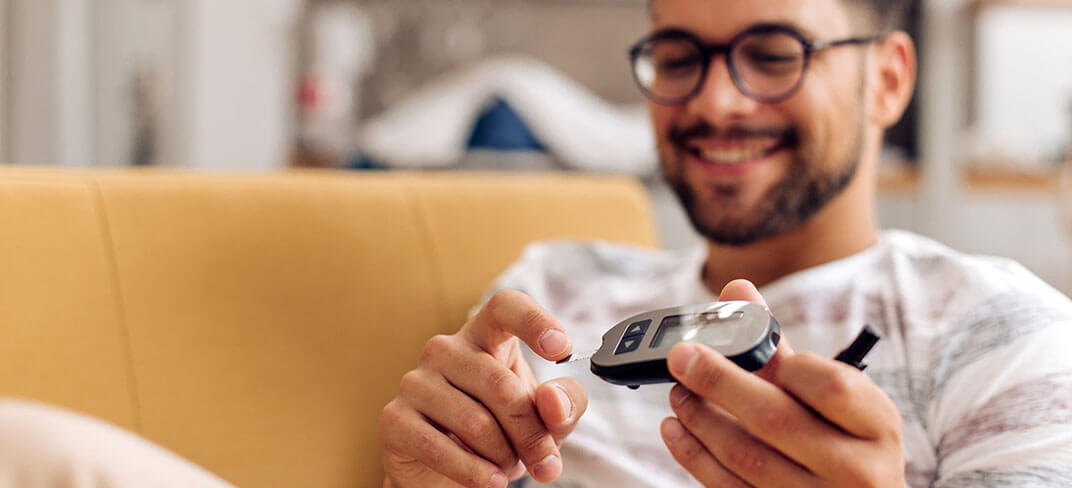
[(256, 324)]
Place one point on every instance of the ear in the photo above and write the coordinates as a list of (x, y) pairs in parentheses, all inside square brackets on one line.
[(896, 81)]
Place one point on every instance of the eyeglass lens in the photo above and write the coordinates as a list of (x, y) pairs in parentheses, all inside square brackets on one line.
[(766, 66)]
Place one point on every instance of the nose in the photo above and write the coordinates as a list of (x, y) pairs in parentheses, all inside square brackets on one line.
[(719, 101)]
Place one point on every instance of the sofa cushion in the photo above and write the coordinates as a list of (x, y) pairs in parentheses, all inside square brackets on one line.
[(257, 324)]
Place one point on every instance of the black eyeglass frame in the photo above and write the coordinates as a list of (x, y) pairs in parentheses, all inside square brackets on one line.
[(708, 52)]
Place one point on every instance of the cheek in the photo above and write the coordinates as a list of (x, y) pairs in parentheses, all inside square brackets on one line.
[(824, 126), (829, 114), (661, 119)]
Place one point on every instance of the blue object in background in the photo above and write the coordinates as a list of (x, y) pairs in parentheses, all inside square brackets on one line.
[(500, 128), (363, 162)]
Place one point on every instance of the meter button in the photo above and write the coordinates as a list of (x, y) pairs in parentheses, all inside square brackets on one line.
[(629, 344), (638, 328)]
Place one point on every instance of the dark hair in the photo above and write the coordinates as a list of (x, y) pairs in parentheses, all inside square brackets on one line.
[(885, 15)]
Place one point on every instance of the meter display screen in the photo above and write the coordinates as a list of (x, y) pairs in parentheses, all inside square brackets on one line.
[(705, 328)]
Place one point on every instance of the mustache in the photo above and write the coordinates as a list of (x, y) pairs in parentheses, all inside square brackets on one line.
[(680, 136)]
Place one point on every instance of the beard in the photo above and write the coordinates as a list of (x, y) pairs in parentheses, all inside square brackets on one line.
[(806, 188)]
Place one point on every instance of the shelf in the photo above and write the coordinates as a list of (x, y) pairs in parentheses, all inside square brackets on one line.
[(898, 177), (983, 4), (1010, 180)]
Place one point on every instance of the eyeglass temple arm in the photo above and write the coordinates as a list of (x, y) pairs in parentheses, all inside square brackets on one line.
[(820, 45)]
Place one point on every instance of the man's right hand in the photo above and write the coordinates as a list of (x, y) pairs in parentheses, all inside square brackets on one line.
[(472, 413)]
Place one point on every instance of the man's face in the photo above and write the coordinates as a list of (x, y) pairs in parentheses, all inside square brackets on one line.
[(747, 170)]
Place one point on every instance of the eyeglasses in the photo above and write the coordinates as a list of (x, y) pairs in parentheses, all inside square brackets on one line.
[(767, 62)]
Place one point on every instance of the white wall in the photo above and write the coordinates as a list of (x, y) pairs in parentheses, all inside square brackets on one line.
[(4, 32), (226, 72), (1022, 226), (132, 36), (1024, 81), (48, 82), (223, 71), (238, 93)]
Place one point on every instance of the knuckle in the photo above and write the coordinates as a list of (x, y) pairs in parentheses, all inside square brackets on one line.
[(437, 346), (533, 319), (476, 424), (687, 409), (836, 391), (500, 299), (390, 418), (504, 388), (528, 434), (838, 385), (746, 460), (707, 376), (530, 442), (689, 454), (428, 450), (775, 420), (410, 384)]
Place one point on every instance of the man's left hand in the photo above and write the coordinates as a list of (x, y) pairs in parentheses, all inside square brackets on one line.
[(734, 428)]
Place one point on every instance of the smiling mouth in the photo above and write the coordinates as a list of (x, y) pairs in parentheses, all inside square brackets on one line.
[(738, 152)]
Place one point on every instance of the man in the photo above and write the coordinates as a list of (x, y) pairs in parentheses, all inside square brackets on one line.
[(769, 117)]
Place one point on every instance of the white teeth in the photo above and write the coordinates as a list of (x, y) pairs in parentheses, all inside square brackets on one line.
[(730, 156)]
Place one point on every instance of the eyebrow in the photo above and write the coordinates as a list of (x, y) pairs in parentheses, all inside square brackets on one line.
[(804, 31)]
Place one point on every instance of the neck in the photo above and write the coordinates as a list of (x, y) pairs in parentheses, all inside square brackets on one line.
[(844, 227)]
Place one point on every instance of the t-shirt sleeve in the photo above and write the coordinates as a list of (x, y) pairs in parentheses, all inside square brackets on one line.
[(1002, 405)]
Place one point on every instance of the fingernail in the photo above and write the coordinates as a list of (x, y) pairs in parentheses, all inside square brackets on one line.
[(564, 401), (682, 358), (498, 480), (672, 430), (678, 395), (547, 469), (554, 342)]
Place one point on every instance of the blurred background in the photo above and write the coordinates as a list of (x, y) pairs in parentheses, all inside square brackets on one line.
[(513, 85)]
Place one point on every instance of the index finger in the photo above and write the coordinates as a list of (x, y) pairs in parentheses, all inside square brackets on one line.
[(762, 408), (841, 394), (511, 313)]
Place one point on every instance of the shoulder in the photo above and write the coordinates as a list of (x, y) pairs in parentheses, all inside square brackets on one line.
[(993, 368), (960, 282), (928, 255), (979, 314)]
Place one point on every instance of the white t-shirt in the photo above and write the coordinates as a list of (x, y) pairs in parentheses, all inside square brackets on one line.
[(976, 353)]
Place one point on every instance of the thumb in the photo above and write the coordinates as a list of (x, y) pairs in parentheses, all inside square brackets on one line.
[(746, 291), (560, 403), (742, 290)]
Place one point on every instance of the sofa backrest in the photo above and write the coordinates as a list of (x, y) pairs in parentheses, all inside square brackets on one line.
[(257, 324)]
